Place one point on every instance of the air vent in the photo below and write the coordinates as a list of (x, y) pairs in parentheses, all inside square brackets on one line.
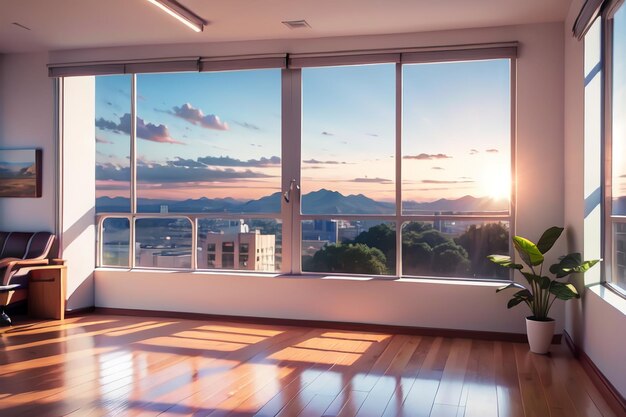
[(296, 24)]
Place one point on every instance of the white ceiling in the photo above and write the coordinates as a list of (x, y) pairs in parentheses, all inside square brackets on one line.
[(74, 24)]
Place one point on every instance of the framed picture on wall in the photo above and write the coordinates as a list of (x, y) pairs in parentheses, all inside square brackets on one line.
[(20, 173)]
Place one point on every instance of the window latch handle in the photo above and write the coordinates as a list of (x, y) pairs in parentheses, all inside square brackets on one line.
[(292, 185)]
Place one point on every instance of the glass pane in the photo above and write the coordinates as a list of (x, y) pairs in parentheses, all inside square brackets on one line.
[(112, 144), (348, 140), (256, 244), (115, 242), (209, 142), (619, 255), (351, 247), (163, 243), (448, 248), (456, 137), (619, 113)]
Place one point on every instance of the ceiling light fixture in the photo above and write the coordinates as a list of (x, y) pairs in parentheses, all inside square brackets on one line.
[(180, 12)]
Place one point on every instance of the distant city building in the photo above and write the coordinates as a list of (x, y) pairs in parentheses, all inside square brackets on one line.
[(235, 247), (164, 209), (163, 257), (326, 230)]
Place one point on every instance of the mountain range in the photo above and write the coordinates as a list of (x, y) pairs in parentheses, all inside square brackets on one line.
[(316, 202)]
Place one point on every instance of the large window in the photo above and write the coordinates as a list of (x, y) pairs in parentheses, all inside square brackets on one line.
[(379, 169), (616, 89)]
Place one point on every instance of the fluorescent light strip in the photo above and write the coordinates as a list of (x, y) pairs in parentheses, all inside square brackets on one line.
[(193, 22)]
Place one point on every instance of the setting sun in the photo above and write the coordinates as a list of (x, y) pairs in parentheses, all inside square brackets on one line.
[(495, 183)]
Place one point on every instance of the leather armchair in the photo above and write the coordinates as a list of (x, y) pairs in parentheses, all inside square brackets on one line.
[(19, 253)]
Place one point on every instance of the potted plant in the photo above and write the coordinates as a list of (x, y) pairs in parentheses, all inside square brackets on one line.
[(541, 291)]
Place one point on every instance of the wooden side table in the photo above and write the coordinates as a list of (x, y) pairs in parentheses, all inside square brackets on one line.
[(46, 292)]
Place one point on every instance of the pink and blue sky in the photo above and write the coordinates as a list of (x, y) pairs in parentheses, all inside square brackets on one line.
[(218, 135)]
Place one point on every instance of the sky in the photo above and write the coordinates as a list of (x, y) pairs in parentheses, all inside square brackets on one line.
[(218, 135)]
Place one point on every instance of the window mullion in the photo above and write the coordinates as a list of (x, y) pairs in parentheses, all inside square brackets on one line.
[(398, 169), (290, 151), (133, 169)]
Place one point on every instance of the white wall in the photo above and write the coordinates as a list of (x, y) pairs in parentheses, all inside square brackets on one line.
[(27, 121), (425, 304), (79, 191), (596, 323)]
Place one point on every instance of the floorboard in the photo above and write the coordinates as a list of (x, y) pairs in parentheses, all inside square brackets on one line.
[(103, 365)]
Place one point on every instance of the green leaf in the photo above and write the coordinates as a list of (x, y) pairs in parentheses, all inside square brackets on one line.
[(548, 238), (544, 282), (571, 263), (528, 251), (513, 302), (504, 261), (511, 285), (524, 295), (531, 277), (564, 291)]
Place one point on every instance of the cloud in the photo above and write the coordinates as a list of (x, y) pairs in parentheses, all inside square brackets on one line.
[(157, 174), (186, 163), (492, 151), (372, 135), (373, 180), (147, 131), (103, 124), (315, 161), (248, 125), (102, 140), (197, 117), (446, 182), (426, 156), (328, 133), (438, 168), (227, 161), (473, 151)]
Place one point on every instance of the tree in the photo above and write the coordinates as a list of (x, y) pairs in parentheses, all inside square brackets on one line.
[(481, 241), (417, 258), (348, 258), (383, 238), (450, 259), (426, 251)]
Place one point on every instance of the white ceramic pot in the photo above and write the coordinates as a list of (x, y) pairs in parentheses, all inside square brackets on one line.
[(540, 335)]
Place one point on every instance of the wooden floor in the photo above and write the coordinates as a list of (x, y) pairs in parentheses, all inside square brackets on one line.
[(100, 365)]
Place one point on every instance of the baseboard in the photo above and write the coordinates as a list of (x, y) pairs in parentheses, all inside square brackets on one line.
[(614, 398), (79, 311), (363, 327)]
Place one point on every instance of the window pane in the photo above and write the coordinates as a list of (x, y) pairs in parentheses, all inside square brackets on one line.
[(352, 247), (255, 243), (450, 248), (115, 242), (348, 140), (112, 144), (209, 142), (163, 243), (456, 137), (619, 255), (619, 113)]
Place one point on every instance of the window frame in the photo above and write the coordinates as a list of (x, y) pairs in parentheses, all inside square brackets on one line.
[(290, 215), (609, 220)]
